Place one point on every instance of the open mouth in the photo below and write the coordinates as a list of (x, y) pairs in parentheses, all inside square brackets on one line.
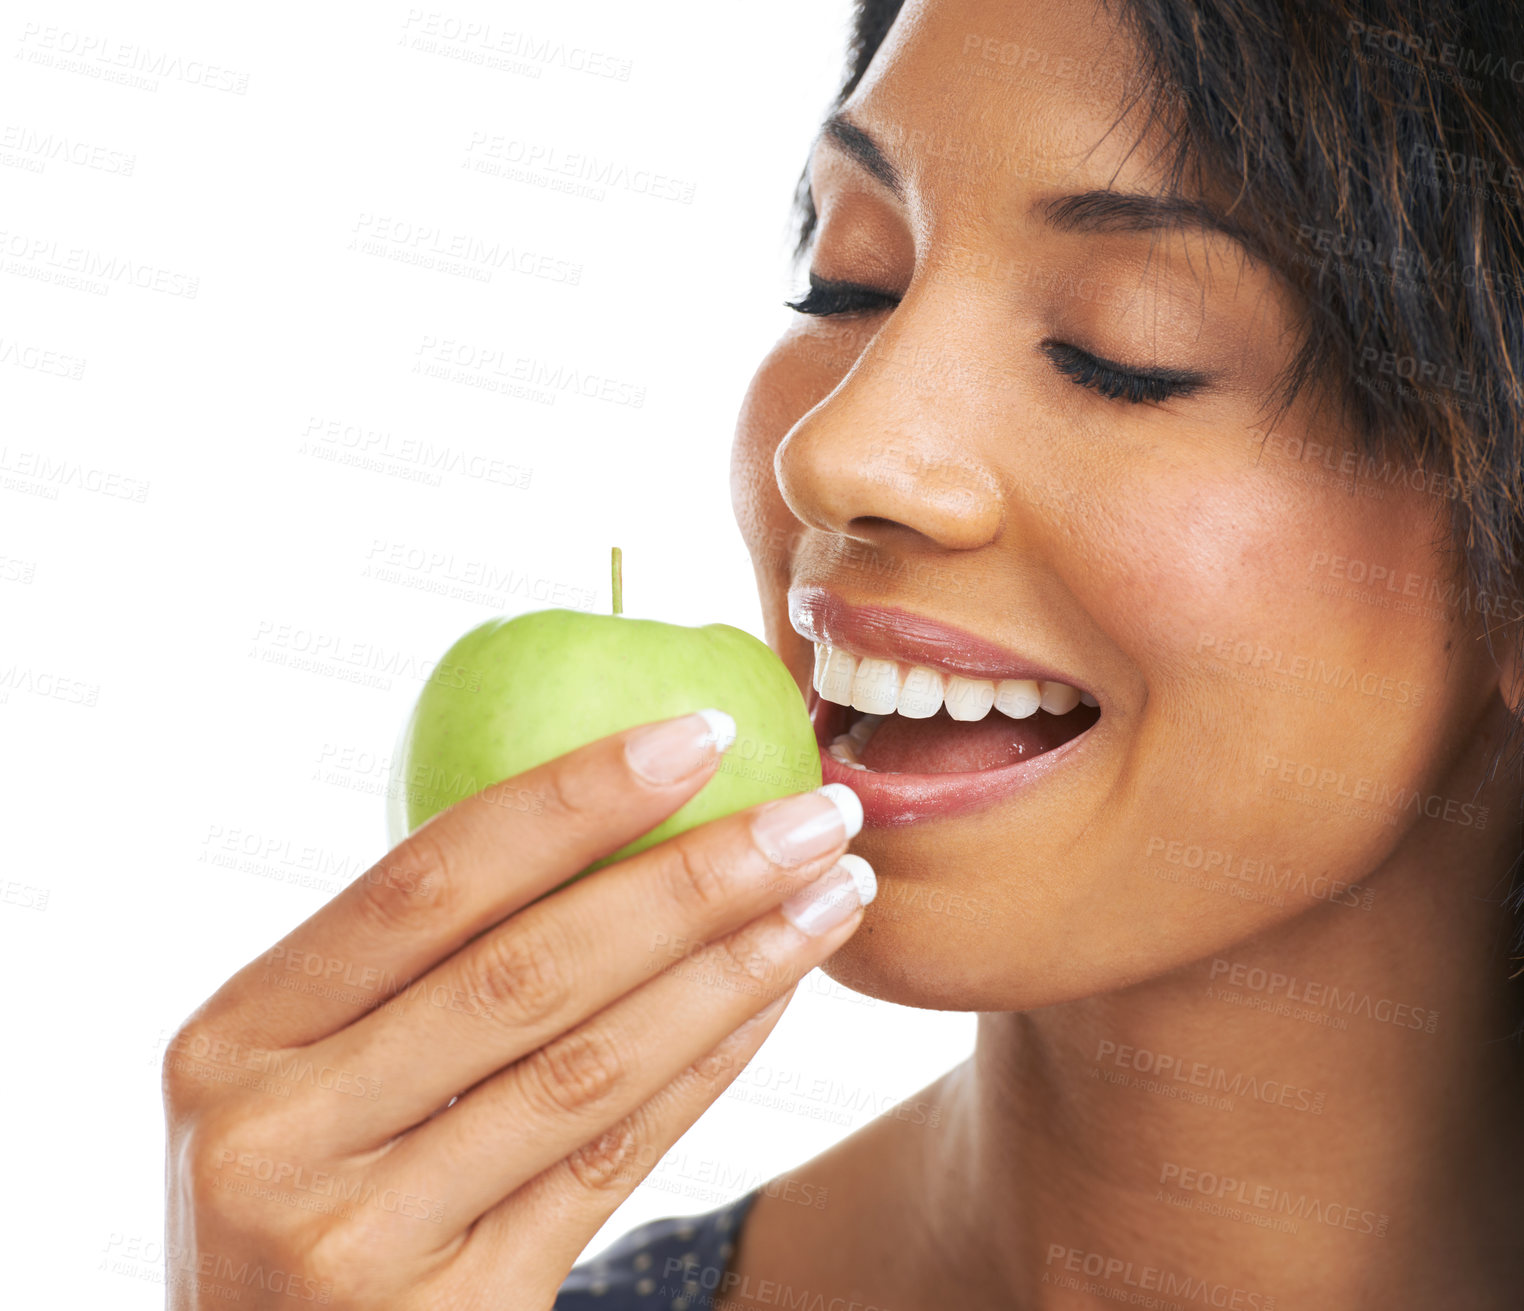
[(889, 717), (921, 719), (915, 742)]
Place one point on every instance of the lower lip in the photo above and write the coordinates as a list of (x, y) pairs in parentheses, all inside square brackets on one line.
[(890, 800)]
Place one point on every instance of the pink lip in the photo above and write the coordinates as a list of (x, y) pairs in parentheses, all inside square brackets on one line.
[(890, 800), (891, 634)]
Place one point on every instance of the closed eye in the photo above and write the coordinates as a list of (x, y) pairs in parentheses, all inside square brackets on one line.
[(1114, 381), (826, 297)]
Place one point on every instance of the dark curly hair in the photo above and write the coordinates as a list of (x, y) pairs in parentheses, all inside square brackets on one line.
[(1393, 130)]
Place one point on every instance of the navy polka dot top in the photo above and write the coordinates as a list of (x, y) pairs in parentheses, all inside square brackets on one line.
[(673, 1264)]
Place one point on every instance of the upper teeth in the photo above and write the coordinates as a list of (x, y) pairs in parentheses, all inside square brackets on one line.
[(877, 688)]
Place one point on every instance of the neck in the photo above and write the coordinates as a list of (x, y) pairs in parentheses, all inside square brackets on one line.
[(1323, 1115)]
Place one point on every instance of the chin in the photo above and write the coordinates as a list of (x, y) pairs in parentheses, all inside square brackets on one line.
[(908, 958)]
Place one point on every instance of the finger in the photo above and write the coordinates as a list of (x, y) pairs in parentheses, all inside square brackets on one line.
[(557, 962), (524, 1119), (543, 1227), (466, 868)]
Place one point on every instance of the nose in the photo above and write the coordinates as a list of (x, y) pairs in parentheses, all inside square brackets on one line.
[(892, 456)]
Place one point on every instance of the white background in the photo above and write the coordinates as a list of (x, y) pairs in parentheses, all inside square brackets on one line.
[(178, 524)]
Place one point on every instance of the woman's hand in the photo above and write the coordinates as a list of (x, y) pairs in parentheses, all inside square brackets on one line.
[(437, 1089)]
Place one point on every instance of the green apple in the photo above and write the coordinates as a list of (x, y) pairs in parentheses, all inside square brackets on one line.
[(514, 693)]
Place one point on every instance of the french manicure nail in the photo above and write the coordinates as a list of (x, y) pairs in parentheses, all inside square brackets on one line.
[(797, 828), (673, 749), (833, 897)]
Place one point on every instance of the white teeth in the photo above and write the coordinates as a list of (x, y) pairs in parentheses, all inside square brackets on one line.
[(876, 687), (842, 749), (969, 699), (1059, 698), (873, 685), (837, 676), (1019, 698), (861, 731), (921, 697), (821, 652)]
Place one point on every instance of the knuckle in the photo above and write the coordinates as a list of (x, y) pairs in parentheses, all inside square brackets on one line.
[(217, 1158), (564, 796), (350, 1256), (696, 876), (175, 1070), (193, 1061), (206, 1149), (745, 963), (573, 1073), (416, 882), (718, 1067), (609, 1161), (517, 973)]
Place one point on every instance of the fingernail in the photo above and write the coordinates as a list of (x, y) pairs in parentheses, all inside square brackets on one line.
[(675, 748), (794, 830), (833, 897)]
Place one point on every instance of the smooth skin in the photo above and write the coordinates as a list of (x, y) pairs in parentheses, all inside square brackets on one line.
[(925, 452), (478, 1073)]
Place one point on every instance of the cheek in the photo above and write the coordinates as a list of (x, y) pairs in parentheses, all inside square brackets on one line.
[(1231, 592)]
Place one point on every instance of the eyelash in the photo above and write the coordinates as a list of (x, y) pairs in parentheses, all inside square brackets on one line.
[(826, 298)]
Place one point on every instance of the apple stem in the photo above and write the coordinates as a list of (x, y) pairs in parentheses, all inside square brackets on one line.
[(618, 582)]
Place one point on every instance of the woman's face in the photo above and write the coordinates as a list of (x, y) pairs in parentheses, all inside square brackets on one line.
[(1284, 695)]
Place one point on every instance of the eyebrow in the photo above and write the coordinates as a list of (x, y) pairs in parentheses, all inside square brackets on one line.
[(1094, 211)]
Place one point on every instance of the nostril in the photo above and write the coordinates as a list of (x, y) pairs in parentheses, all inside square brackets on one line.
[(872, 523)]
